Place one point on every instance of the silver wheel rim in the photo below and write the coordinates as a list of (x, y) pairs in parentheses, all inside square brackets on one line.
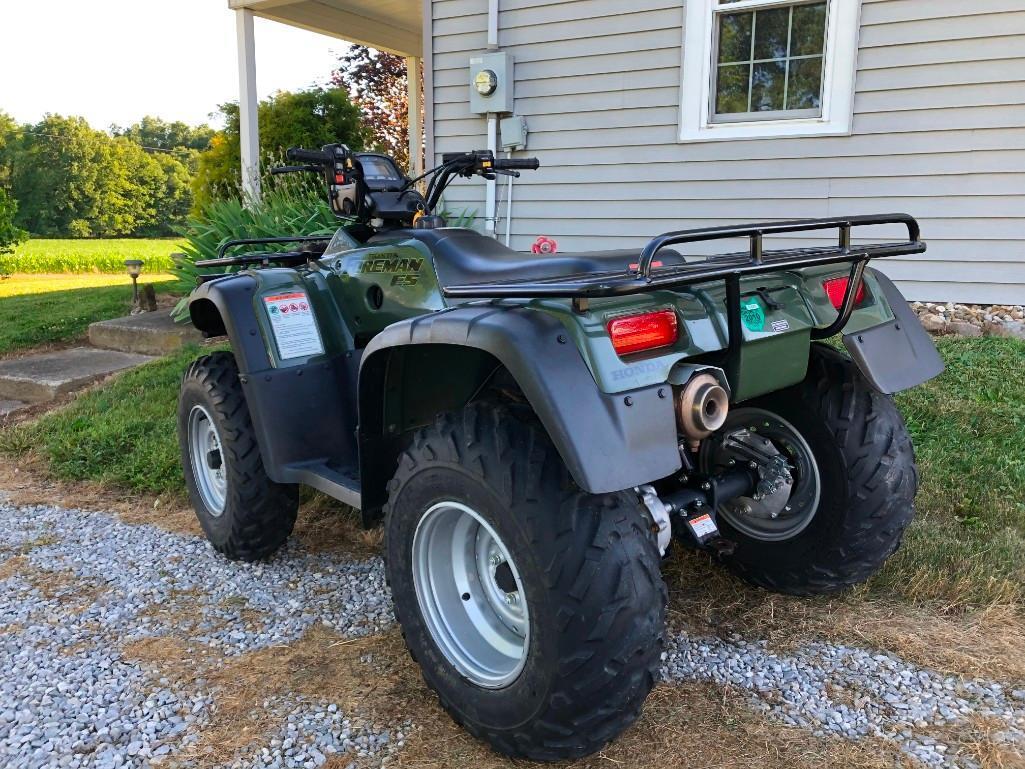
[(806, 492), (207, 460), (470, 595)]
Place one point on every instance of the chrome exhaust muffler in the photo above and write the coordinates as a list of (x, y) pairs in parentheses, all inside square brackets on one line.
[(701, 408)]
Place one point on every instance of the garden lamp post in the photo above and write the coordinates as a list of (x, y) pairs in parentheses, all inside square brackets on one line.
[(134, 267)]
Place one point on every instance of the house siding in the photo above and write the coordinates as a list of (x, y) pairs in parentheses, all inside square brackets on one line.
[(938, 132)]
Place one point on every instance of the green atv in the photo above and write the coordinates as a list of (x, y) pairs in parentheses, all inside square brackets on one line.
[(536, 430)]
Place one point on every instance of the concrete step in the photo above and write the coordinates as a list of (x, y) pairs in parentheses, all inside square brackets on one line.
[(38, 378), (149, 333), (9, 407)]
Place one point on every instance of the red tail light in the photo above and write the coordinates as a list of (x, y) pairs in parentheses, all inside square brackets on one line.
[(340, 179), (837, 287), (633, 333)]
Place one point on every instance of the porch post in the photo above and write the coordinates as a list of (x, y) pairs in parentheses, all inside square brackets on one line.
[(247, 104), (416, 153)]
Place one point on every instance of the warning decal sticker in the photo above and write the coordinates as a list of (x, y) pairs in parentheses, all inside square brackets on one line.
[(295, 329), (703, 526)]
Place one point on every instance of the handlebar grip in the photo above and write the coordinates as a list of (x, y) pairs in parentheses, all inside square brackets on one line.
[(524, 164), (308, 156)]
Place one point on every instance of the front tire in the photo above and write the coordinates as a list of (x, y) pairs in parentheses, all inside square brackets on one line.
[(863, 464), (536, 611), (244, 514)]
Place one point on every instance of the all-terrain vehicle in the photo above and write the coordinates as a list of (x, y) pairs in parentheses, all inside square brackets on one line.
[(535, 430)]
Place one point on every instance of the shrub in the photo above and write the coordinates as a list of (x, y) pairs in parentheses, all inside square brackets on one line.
[(285, 209)]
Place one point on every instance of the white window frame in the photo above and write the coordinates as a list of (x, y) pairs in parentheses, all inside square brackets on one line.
[(843, 22)]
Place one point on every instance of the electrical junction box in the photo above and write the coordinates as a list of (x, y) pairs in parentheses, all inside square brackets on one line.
[(491, 83), (514, 133)]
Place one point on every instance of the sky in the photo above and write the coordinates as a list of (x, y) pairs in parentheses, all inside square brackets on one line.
[(113, 61)]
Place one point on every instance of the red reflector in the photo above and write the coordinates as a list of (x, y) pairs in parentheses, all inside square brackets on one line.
[(837, 287), (633, 333), (339, 178)]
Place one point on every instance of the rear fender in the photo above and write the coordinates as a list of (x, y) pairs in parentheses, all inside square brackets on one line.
[(608, 442), (898, 354)]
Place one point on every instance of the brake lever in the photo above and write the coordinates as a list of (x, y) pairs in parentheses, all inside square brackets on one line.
[(507, 172)]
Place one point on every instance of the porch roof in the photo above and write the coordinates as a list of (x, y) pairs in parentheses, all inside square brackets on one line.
[(388, 25)]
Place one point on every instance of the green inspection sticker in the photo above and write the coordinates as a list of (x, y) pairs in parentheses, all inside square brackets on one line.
[(752, 313)]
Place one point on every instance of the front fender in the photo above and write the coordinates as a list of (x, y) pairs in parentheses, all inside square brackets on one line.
[(225, 307), (608, 442)]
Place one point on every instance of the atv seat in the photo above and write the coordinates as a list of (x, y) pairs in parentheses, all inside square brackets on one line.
[(463, 256)]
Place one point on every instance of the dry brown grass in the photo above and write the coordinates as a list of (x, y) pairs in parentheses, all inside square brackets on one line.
[(705, 600), (374, 681), (29, 483), (326, 525), (979, 739), (13, 565), (320, 665), (698, 726)]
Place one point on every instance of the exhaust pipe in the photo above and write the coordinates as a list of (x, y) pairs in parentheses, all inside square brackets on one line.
[(701, 408)]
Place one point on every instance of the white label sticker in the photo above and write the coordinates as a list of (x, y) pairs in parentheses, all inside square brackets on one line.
[(703, 526), (295, 329), (780, 325)]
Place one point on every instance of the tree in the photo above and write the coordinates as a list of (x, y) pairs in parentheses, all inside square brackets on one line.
[(8, 132), (310, 118), (377, 83), (159, 134), (70, 179), (10, 236)]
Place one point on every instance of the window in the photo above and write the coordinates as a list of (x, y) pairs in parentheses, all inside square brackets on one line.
[(764, 68)]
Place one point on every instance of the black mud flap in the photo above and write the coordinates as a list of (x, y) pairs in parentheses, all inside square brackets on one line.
[(897, 355)]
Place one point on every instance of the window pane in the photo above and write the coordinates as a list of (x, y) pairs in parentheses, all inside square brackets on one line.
[(809, 29), (805, 88), (731, 88), (735, 37), (767, 86), (771, 33)]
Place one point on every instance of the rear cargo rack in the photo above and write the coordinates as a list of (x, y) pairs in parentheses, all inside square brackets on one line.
[(730, 267)]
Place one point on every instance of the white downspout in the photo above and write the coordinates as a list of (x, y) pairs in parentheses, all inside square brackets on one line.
[(249, 132), (491, 197), (508, 211)]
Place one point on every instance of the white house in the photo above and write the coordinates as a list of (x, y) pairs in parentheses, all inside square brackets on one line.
[(652, 115)]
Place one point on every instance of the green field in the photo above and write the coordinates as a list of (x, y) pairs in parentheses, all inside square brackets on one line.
[(100, 255), (965, 548)]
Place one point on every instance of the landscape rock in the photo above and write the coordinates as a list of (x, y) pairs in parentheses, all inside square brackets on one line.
[(972, 320), (933, 323), (964, 328), (1012, 330)]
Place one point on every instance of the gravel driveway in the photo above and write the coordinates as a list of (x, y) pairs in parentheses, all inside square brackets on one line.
[(78, 588)]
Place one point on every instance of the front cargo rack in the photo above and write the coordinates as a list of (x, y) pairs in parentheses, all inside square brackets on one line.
[(266, 258), (730, 267)]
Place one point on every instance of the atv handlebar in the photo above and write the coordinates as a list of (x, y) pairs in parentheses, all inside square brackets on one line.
[(309, 156), (522, 164)]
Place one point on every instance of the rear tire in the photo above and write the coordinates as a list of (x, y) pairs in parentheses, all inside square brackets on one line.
[(586, 571), (244, 514), (868, 482)]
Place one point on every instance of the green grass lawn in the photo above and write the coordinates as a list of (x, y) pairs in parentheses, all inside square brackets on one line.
[(965, 548), (45, 309), (88, 255)]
